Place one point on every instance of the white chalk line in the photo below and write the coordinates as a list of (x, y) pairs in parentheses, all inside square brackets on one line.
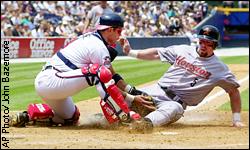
[(210, 98), (166, 133)]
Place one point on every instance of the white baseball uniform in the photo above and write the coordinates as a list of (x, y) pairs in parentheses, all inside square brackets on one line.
[(57, 84), (190, 78)]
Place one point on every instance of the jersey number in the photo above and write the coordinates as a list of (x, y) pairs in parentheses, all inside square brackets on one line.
[(194, 82)]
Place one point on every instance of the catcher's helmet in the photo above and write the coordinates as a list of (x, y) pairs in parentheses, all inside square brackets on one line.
[(209, 32), (110, 20)]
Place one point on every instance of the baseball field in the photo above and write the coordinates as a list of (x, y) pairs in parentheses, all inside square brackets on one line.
[(206, 126)]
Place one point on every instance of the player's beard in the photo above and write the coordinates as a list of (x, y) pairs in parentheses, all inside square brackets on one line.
[(203, 54)]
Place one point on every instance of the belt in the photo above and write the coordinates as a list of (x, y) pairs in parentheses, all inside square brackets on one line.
[(50, 67), (172, 95)]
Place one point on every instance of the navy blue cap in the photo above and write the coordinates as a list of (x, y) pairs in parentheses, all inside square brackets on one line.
[(110, 20), (209, 32)]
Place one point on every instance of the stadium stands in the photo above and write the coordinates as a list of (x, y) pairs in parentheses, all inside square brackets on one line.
[(142, 18)]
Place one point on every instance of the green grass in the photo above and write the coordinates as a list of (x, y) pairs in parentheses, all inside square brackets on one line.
[(135, 72), (244, 102), (235, 60)]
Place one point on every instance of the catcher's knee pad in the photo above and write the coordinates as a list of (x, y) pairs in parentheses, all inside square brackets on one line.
[(39, 111), (75, 118), (90, 73), (93, 72)]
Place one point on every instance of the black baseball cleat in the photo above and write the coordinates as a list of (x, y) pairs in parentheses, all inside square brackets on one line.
[(19, 119)]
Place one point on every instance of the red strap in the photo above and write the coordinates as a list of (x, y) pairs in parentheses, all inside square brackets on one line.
[(108, 112), (39, 111)]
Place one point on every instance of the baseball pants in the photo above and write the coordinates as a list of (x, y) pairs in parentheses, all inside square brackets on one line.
[(168, 111)]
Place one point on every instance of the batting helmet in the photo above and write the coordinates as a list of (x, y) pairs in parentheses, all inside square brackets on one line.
[(110, 20), (209, 32)]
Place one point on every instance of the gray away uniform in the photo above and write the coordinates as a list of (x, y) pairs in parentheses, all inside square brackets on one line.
[(190, 78)]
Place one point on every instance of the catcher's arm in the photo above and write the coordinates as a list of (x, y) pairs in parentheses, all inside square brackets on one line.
[(118, 79), (123, 86)]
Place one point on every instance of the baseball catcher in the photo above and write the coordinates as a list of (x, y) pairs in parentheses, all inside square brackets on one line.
[(112, 103)]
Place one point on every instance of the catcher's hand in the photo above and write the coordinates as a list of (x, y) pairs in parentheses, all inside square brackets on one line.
[(143, 105)]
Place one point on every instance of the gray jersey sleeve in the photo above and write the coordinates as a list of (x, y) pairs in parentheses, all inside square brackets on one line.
[(228, 81), (167, 54)]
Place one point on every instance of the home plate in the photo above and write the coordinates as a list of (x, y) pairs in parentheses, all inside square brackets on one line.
[(167, 133)]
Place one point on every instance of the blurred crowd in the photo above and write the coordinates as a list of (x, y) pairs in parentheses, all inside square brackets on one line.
[(231, 4), (72, 18)]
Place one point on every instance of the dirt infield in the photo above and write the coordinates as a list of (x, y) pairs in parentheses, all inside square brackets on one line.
[(204, 127)]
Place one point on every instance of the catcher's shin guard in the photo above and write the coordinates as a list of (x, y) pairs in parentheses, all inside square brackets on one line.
[(109, 112), (113, 105), (40, 114), (35, 112), (39, 111), (114, 99)]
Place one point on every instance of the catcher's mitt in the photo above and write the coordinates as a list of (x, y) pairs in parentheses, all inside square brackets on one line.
[(143, 105)]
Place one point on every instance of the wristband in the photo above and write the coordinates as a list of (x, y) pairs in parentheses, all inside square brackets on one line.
[(117, 78), (236, 117), (133, 53), (129, 98), (128, 88)]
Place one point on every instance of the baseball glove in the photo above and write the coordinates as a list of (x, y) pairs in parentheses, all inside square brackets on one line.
[(143, 105)]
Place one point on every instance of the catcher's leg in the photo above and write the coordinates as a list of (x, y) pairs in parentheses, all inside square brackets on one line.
[(56, 88), (112, 103), (35, 112), (65, 111), (42, 114)]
